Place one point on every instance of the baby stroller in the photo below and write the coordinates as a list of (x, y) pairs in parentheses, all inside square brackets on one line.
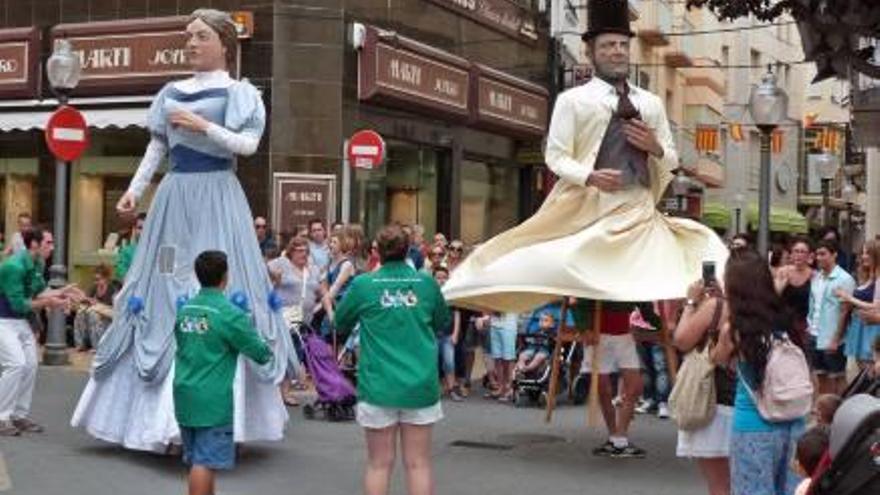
[(336, 395), (532, 388), (854, 450)]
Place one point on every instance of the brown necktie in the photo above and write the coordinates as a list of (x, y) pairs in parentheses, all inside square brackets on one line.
[(625, 108)]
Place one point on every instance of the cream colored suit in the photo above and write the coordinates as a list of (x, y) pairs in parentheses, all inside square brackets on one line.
[(584, 242)]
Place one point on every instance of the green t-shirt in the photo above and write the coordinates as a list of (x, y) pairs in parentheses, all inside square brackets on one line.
[(20, 280), (210, 332), (399, 310), (123, 261)]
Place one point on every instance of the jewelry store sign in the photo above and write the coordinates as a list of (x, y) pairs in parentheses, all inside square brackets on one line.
[(298, 198), (19, 62), (405, 72), (127, 56), (402, 72)]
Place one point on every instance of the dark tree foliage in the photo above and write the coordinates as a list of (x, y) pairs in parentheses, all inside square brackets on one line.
[(832, 31)]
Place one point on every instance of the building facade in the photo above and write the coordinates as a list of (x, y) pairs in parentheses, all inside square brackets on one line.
[(457, 89)]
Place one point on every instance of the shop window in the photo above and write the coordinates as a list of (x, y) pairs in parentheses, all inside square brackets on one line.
[(489, 199), (404, 190)]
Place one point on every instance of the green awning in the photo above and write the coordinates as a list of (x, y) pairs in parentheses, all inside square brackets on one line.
[(781, 220), (716, 215)]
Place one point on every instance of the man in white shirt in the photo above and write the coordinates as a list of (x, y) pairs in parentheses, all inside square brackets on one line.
[(319, 252), (16, 243)]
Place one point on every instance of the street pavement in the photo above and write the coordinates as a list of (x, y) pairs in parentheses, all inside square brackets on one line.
[(506, 450)]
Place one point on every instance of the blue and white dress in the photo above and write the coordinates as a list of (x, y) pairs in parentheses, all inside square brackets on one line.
[(199, 205)]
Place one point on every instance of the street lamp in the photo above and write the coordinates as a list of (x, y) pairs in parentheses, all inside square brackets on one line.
[(63, 70), (850, 194), (827, 164), (680, 187), (739, 203), (768, 105)]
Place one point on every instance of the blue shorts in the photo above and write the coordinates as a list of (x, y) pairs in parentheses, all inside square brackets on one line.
[(447, 355), (502, 342), (532, 351), (211, 447), (825, 362)]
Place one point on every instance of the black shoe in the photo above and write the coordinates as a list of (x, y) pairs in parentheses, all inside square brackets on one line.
[(629, 452), (605, 450)]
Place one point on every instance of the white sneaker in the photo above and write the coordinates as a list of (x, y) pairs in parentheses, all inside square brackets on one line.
[(617, 401), (662, 411), (644, 406)]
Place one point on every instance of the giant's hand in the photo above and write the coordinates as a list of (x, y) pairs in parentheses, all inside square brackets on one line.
[(606, 179), (188, 120), (642, 137), (126, 205)]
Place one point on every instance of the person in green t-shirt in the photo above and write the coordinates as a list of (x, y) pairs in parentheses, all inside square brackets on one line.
[(210, 332), (126, 252), (399, 311)]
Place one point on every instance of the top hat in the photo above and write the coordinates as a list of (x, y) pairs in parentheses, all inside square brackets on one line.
[(607, 16)]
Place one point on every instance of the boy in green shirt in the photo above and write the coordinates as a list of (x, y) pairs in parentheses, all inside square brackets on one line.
[(210, 332)]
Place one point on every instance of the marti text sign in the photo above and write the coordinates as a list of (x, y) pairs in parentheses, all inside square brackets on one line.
[(127, 56)]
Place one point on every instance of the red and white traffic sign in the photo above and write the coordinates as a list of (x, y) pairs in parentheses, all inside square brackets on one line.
[(366, 149), (67, 134)]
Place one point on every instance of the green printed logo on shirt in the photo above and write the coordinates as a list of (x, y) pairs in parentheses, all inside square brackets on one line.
[(399, 299), (194, 324)]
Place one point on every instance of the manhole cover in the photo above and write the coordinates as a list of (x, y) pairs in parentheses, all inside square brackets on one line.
[(480, 445), (529, 438)]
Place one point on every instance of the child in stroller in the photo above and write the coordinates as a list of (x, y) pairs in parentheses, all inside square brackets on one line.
[(851, 465), (532, 371)]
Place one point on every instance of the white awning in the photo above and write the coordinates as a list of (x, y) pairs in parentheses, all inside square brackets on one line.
[(99, 118)]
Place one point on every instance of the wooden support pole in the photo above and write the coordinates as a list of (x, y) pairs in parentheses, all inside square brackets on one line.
[(593, 406), (553, 390)]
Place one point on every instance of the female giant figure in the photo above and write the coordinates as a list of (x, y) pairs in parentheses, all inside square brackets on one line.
[(200, 124)]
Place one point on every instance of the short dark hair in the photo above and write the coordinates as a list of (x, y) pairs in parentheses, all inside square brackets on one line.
[(811, 447), (829, 245), (440, 268), (393, 243), (829, 229), (211, 267), (24, 214), (31, 236), (800, 240), (314, 221)]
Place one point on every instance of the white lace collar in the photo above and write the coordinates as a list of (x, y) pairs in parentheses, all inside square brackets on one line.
[(205, 80)]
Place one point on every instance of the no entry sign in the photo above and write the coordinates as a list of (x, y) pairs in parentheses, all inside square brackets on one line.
[(366, 149), (67, 134)]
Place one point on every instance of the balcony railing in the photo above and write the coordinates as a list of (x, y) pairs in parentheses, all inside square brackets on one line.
[(655, 22), (679, 53)]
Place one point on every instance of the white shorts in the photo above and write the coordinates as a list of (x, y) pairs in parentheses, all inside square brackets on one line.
[(617, 352), (377, 418), (710, 441)]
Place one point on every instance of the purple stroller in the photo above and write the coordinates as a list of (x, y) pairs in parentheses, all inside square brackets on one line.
[(336, 396)]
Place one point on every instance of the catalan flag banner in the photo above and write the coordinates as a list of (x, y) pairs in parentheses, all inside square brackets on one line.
[(776, 141), (736, 132), (829, 139), (707, 139)]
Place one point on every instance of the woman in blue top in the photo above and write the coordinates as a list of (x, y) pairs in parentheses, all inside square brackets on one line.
[(859, 335), (200, 124), (760, 451)]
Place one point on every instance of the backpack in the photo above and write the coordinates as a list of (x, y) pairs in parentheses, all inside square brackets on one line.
[(787, 391), (693, 397)]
